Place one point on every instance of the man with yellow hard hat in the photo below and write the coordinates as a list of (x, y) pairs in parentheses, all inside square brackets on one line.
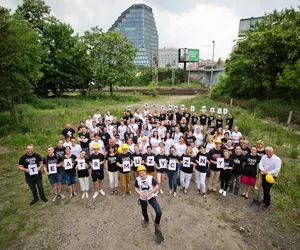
[(146, 186), (125, 164), (269, 165)]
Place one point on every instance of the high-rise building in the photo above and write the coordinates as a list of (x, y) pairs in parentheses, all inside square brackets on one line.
[(168, 56), (138, 25)]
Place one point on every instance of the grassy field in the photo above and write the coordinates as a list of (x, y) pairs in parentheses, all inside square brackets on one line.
[(42, 123)]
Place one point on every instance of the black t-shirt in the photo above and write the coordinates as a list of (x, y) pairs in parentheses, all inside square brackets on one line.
[(214, 155), (73, 157), (190, 139), (227, 164), (188, 170), (219, 123), (202, 169), (84, 172), (224, 141), (68, 131), (245, 151), (52, 159), (203, 120), (84, 136), (158, 157), (162, 117), (231, 150), (136, 155), (229, 122), (99, 157), (213, 129), (101, 125), (105, 138), (238, 161), (121, 158), (182, 127), (172, 157), (170, 116), (172, 129), (178, 117), (112, 162), (210, 119), (145, 158), (261, 152), (33, 159), (60, 152), (187, 116), (194, 120), (251, 166)]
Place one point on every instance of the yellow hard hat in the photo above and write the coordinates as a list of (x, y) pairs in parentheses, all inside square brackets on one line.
[(270, 178), (218, 141), (141, 168), (119, 150), (96, 146), (124, 146)]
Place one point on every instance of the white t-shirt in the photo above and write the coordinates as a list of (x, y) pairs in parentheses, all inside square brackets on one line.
[(95, 130), (177, 136), (153, 142), (162, 132), (133, 128), (235, 136), (67, 144), (199, 139), (210, 146), (168, 143), (121, 131), (131, 148), (89, 123), (109, 118), (76, 150), (96, 117), (143, 149), (180, 148), (110, 130), (145, 186)]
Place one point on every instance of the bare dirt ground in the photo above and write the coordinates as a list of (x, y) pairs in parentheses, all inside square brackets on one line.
[(188, 221)]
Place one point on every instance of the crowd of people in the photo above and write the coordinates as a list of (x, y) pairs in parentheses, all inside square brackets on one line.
[(173, 146)]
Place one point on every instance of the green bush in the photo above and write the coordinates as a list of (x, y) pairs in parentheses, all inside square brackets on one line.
[(152, 88), (294, 152), (258, 113), (252, 104)]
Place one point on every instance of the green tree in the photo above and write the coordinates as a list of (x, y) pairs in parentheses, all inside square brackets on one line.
[(113, 57), (20, 61), (258, 67)]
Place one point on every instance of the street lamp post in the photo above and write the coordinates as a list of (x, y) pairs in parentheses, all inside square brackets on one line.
[(189, 73), (211, 74)]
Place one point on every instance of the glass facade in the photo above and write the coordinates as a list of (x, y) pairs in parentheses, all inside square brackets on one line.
[(138, 25)]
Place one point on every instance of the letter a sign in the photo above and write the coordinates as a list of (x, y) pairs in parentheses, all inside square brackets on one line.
[(68, 164)]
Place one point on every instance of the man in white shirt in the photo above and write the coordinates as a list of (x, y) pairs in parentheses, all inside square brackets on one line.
[(133, 127), (236, 135), (97, 116), (108, 117), (98, 141), (122, 130), (89, 123), (226, 129), (269, 164), (110, 128), (75, 148)]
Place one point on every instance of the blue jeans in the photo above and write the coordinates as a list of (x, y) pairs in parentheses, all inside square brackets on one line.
[(153, 202), (70, 177), (172, 176)]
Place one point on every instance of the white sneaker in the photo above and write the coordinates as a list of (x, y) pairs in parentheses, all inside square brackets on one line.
[(224, 193), (61, 195), (95, 195), (86, 195), (130, 193), (221, 191), (54, 198), (74, 193), (102, 192), (83, 195), (161, 191)]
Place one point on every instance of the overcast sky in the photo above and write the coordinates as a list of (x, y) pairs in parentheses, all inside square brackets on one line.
[(180, 23)]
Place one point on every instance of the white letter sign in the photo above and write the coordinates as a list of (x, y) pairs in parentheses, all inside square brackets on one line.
[(220, 162), (52, 169), (33, 169), (68, 164)]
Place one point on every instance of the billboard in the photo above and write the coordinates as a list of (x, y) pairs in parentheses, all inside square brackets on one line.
[(188, 55), (246, 23)]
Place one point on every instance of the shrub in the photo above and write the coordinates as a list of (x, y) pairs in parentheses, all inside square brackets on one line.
[(252, 104), (152, 88), (259, 113), (294, 151)]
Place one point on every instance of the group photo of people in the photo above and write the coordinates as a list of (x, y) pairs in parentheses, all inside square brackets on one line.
[(173, 145)]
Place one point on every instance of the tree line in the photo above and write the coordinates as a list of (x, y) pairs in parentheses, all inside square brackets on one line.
[(266, 62)]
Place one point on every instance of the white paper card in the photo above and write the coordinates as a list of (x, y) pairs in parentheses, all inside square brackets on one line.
[(162, 108), (33, 169), (175, 107), (225, 111), (170, 107), (219, 111), (202, 161), (203, 108), (137, 161), (126, 166), (96, 164), (150, 161), (172, 164), (182, 107), (192, 108), (220, 162), (68, 164), (52, 168), (81, 165), (212, 110), (163, 163), (186, 162), (146, 105), (128, 107)]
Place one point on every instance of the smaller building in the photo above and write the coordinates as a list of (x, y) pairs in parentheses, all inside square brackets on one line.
[(167, 57)]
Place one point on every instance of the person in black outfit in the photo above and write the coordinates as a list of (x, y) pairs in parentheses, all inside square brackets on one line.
[(31, 164)]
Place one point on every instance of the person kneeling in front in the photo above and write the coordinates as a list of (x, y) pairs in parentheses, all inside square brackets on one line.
[(146, 186)]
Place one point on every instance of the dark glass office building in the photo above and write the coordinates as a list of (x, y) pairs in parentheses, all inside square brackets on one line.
[(138, 25)]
